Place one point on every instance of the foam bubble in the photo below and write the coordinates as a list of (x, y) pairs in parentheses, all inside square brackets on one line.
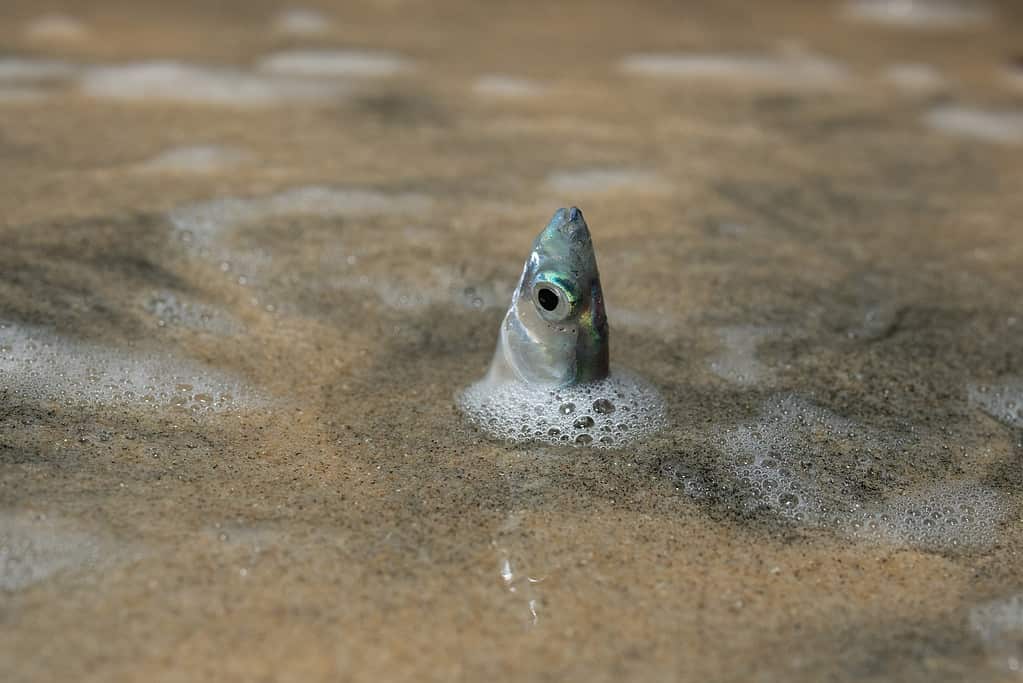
[(609, 413), (806, 464), (919, 13), (501, 86), (302, 21), (986, 125), (35, 363), (998, 625), (914, 77), (18, 69), (57, 27), (195, 159), (772, 458), (194, 84), (599, 180), (1002, 400), (737, 362), (956, 514), (329, 63), (172, 310), (796, 70), (33, 548)]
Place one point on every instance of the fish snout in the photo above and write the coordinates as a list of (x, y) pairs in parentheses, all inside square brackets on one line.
[(571, 224), (568, 216)]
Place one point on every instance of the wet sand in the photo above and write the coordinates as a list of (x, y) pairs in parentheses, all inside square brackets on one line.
[(249, 257)]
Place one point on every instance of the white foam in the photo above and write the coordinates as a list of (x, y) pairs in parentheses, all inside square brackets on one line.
[(998, 625), (501, 86), (737, 362), (795, 70), (195, 84), (1002, 400), (36, 363), (56, 27), (955, 514), (607, 414), (19, 69), (919, 13), (767, 456), (981, 124), (779, 462), (601, 180), (302, 21), (333, 63), (172, 310), (914, 77), (195, 159), (33, 548)]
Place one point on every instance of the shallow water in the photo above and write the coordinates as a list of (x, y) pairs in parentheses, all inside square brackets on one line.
[(250, 254)]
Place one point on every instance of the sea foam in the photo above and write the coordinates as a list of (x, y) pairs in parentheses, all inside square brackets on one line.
[(38, 364), (608, 413)]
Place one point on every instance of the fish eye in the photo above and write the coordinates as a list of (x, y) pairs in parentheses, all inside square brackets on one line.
[(547, 298), (551, 300)]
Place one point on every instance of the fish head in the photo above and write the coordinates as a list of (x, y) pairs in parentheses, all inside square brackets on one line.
[(556, 331)]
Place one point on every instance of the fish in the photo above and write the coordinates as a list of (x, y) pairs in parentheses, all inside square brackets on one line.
[(555, 332)]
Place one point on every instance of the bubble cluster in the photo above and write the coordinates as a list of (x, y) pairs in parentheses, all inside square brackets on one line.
[(171, 310), (1002, 400), (605, 414), (774, 460), (36, 363), (954, 514), (803, 463)]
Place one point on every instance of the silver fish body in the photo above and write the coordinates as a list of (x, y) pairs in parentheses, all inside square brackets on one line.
[(555, 332)]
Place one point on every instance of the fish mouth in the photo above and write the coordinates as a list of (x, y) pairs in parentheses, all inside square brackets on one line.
[(570, 223)]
